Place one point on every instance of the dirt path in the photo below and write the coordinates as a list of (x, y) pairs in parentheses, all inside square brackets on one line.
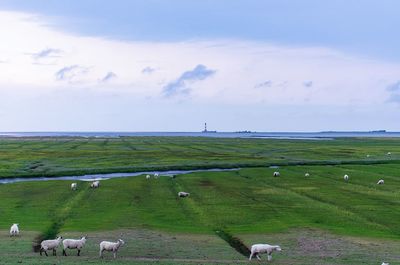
[(201, 261)]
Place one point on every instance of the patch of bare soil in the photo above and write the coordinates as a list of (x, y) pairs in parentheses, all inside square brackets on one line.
[(327, 247), (317, 247)]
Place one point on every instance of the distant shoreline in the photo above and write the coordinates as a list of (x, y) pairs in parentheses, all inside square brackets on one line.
[(324, 135)]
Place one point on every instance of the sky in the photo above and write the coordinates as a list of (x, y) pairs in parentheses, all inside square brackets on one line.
[(154, 65)]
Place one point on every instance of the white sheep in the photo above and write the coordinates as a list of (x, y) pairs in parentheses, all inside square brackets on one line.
[(156, 175), (50, 245), (276, 174), (368, 155), (14, 230), (73, 243), (346, 177), (95, 184), (389, 153), (263, 248), (307, 175), (110, 246), (380, 182), (74, 186), (385, 263), (183, 194), (148, 177)]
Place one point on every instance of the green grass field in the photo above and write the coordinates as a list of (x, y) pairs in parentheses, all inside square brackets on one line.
[(320, 219), (65, 156)]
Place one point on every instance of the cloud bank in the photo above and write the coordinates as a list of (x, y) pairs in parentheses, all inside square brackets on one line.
[(341, 78), (237, 74)]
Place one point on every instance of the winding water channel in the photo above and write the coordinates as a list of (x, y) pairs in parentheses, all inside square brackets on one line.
[(92, 177)]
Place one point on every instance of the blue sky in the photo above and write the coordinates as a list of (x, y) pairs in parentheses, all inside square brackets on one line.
[(365, 27), (303, 65)]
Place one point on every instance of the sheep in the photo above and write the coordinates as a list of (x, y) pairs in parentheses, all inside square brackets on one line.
[(95, 184), (346, 177), (14, 230), (183, 194), (380, 182), (389, 153), (110, 246), (50, 245), (74, 186), (148, 177), (307, 175), (276, 174), (156, 175), (263, 248), (368, 156), (73, 243), (385, 263)]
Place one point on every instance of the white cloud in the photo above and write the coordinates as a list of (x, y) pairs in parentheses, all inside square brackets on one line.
[(241, 66), (180, 85), (148, 70), (109, 77)]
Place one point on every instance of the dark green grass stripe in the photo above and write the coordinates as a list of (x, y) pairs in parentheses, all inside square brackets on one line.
[(60, 216), (385, 174), (337, 178), (328, 204), (342, 207)]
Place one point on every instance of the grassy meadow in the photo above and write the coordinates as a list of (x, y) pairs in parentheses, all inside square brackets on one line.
[(40, 156), (320, 219)]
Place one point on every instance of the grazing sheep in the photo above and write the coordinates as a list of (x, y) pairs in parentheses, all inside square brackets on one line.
[(263, 248), (346, 177), (307, 175), (380, 182), (183, 194), (50, 245), (95, 184), (74, 186), (148, 177), (368, 155), (156, 175), (110, 246), (385, 263), (73, 243), (14, 230), (276, 174), (389, 153)]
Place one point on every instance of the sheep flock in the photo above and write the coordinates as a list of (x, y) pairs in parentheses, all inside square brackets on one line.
[(109, 246)]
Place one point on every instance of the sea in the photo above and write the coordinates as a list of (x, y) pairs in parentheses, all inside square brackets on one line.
[(328, 135)]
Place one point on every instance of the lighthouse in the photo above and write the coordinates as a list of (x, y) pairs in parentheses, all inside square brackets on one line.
[(205, 129)]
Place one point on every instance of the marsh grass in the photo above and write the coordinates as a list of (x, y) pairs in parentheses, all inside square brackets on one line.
[(248, 205), (41, 156)]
